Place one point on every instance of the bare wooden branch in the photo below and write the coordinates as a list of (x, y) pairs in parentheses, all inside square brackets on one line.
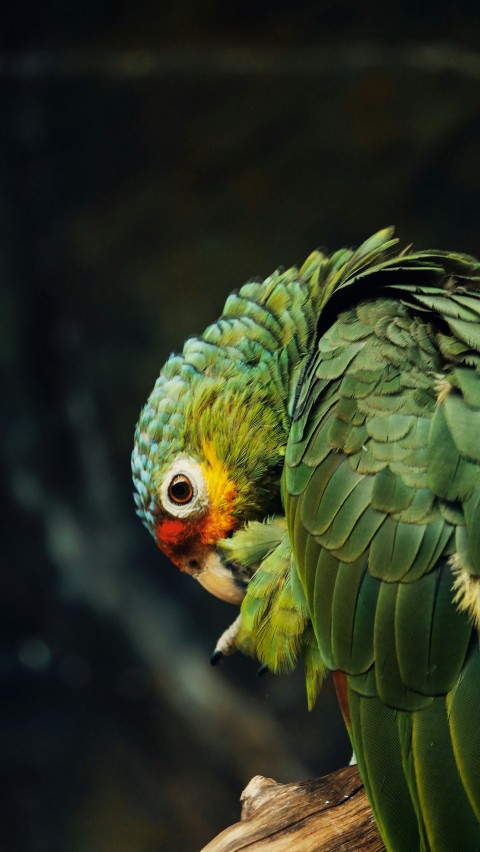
[(329, 814)]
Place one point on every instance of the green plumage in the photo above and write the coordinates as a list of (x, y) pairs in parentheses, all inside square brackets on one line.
[(388, 477), (353, 387)]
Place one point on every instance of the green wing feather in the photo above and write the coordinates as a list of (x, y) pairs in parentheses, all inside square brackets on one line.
[(382, 498), (275, 624), (462, 705)]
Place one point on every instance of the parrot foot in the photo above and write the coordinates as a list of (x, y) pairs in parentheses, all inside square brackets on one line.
[(226, 643)]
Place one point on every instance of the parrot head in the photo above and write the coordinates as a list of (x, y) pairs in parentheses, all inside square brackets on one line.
[(207, 459), (210, 443)]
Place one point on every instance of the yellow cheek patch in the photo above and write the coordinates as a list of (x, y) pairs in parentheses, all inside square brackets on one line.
[(221, 491)]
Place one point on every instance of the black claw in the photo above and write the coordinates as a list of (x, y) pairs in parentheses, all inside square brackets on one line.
[(262, 670), (216, 657)]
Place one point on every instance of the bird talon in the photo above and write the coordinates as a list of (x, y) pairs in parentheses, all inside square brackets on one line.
[(226, 643)]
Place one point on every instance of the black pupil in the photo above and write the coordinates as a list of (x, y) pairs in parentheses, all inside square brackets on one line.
[(181, 490)]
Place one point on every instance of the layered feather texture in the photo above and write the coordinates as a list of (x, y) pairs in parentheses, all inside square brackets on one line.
[(247, 361), (382, 482)]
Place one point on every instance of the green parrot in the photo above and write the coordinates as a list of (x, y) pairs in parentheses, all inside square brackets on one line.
[(314, 457)]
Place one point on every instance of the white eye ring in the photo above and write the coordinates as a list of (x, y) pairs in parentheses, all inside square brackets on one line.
[(186, 478)]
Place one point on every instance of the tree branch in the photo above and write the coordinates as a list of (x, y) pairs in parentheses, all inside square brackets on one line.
[(330, 813)]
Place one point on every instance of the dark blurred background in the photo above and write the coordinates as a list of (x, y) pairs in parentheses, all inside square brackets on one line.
[(154, 157)]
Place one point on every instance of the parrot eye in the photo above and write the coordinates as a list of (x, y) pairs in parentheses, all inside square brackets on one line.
[(184, 491), (180, 490)]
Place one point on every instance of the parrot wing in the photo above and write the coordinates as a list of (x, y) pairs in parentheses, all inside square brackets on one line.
[(382, 497)]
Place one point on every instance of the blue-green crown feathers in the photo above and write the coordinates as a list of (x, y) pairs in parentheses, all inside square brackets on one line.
[(258, 341)]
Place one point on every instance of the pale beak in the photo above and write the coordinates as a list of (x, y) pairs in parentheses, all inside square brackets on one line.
[(221, 580)]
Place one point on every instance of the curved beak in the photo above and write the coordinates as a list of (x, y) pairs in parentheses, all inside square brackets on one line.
[(222, 578)]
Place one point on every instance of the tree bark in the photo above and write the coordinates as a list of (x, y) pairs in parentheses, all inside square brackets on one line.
[(329, 813)]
